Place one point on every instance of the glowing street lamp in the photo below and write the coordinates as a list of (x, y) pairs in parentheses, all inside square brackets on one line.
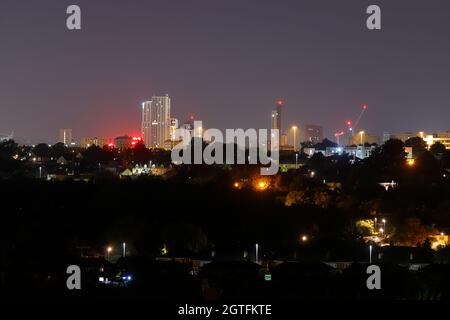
[(361, 133), (108, 252), (295, 134), (304, 238), (262, 185)]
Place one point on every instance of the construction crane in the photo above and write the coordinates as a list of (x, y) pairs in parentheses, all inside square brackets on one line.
[(352, 127), (364, 108)]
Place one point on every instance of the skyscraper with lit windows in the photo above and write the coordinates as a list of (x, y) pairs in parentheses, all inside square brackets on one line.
[(65, 136), (156, 121)]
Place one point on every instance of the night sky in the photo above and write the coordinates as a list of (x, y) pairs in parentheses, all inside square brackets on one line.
[(225, 61)]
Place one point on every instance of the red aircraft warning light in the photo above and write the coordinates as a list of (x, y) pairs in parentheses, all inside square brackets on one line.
[(135, 140), (280, 102)]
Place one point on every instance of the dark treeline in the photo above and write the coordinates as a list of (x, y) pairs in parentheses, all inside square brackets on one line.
[(194, 210)]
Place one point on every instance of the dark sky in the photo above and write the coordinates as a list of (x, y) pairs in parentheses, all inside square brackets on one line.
[(225, 61)]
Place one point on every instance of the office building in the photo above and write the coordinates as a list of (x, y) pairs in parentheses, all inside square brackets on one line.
[(362, 138), (123, 142), (441, 137), (313, 133), (99, 142), (430, 139)]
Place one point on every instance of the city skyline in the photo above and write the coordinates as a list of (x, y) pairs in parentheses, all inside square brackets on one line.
[(237, 158), (157, 111), (225, 62)]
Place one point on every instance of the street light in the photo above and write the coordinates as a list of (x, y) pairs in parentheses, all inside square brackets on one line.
[(295, 134), (361, 133), (262, 185), (108, 252)]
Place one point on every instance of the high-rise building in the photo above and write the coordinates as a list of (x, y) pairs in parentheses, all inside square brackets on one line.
[(284, 139), (276, 120), (65, 136), (156, 121), (276, 116), (313, 133)]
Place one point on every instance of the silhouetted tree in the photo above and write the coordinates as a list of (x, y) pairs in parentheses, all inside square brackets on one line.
[(42, 150), (437, 148), (418, 145)]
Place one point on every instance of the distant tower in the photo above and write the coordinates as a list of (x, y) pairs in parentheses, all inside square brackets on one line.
[(65, 136), (276, 119), (276, 116), (156, 121)]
